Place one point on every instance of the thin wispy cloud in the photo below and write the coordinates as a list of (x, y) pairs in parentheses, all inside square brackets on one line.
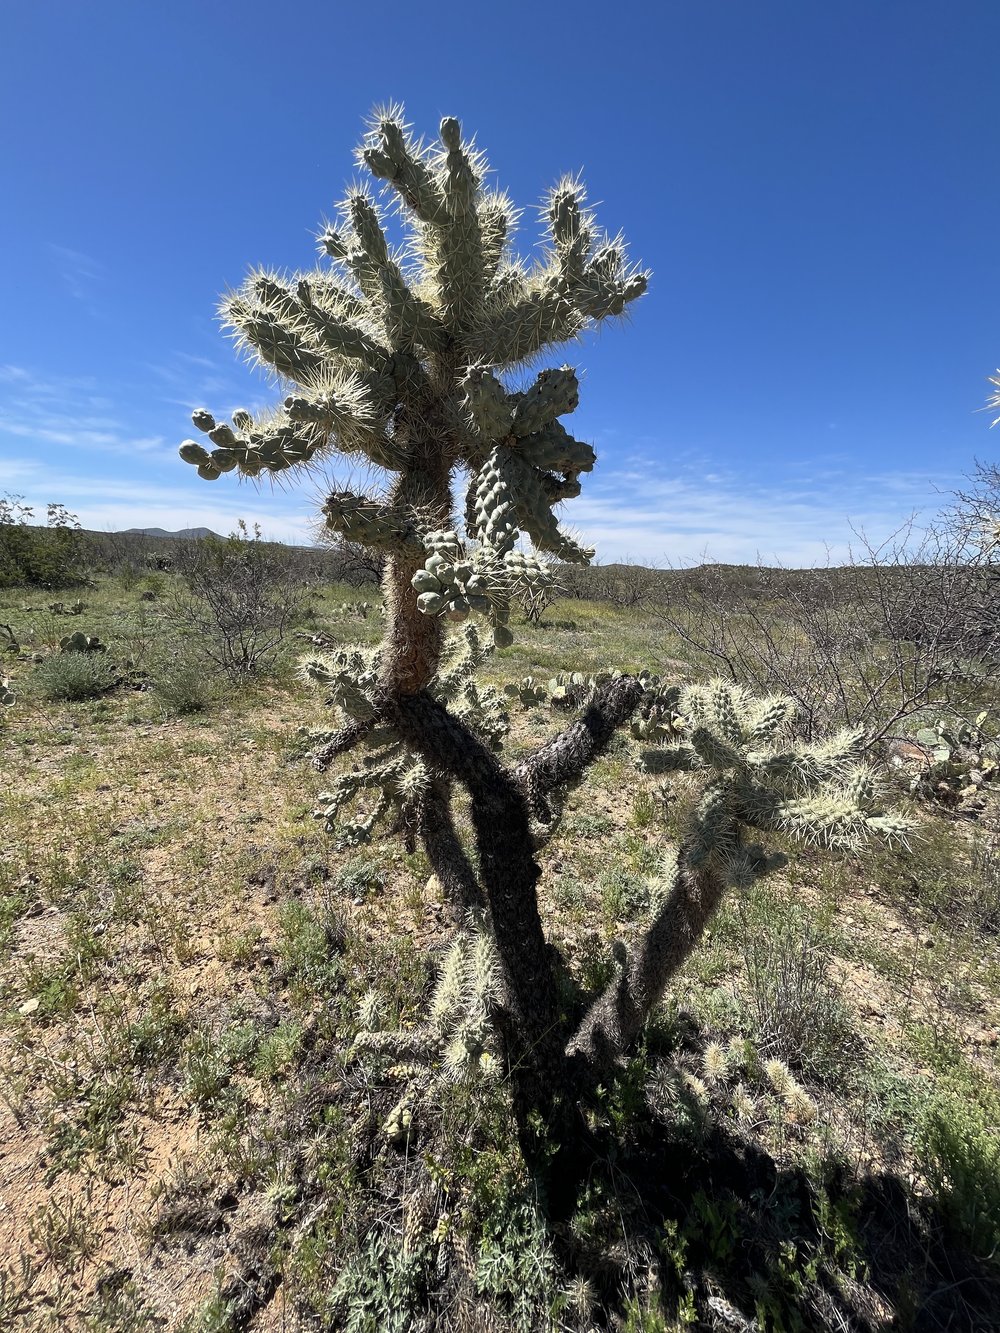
[(802, 518), (188, 380), (807, 511), (68, 412), (81, 273)]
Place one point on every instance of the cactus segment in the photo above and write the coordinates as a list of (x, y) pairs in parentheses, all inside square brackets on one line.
[(409, 320), (554, 393), (489, 408), (392, 156), (362, 519), (192, 452), (493, 508), (553, 449), (454, 248), (496, 219)]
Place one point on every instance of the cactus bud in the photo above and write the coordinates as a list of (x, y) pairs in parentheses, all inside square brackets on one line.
[(424, 581), (192, 452)]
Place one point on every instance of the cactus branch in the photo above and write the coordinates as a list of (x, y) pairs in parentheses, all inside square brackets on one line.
[(563, 759), (617, 1017)]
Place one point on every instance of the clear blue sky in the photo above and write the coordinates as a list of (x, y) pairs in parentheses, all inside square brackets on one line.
[(816, 188)]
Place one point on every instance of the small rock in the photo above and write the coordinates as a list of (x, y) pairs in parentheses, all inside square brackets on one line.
[(28, 1007), (358, 902)]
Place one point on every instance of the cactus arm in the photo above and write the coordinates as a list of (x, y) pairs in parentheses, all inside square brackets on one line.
[(497, 216), (454, 251), (564, 759), (384, 526), (508, 872), (615, 1020), (391, 155), (340, 742)]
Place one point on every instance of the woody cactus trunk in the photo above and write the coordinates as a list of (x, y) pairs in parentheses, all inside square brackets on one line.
[(406, 358)]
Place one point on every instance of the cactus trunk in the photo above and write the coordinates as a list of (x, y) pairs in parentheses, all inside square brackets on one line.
[(411, 650)]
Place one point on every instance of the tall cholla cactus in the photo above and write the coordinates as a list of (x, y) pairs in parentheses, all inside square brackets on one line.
[(404, 359)]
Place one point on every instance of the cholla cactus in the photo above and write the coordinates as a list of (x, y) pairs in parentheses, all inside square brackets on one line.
[(758, 780), (399, 356), (412, 361), (459, 1040)]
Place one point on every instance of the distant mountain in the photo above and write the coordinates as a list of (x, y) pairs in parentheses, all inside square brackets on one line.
[(162, 532)]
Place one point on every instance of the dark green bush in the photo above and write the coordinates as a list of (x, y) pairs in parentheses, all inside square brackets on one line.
[(961, 1158), (49, 557)]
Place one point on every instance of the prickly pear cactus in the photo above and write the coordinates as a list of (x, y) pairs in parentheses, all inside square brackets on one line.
[(81, 643)]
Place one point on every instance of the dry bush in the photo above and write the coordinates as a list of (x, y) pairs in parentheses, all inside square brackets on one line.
[(244, 597), (901, 628)]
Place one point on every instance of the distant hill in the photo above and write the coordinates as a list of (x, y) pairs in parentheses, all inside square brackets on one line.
[(189, 533)]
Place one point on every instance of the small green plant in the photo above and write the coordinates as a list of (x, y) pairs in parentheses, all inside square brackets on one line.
[(64, 1232), (180, 683), (961, 1157), (309, 946), (72, 676)]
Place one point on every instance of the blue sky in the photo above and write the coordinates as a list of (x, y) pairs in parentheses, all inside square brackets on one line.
[(815, 187)]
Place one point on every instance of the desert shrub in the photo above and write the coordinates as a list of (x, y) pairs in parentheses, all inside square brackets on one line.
[(350, 562), (960, 1157), (627, 585), (983, 900), (899, 629), (49, 557), (797, 1011), (243, 599), (72, 677), (956, 884), (180, 684)]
